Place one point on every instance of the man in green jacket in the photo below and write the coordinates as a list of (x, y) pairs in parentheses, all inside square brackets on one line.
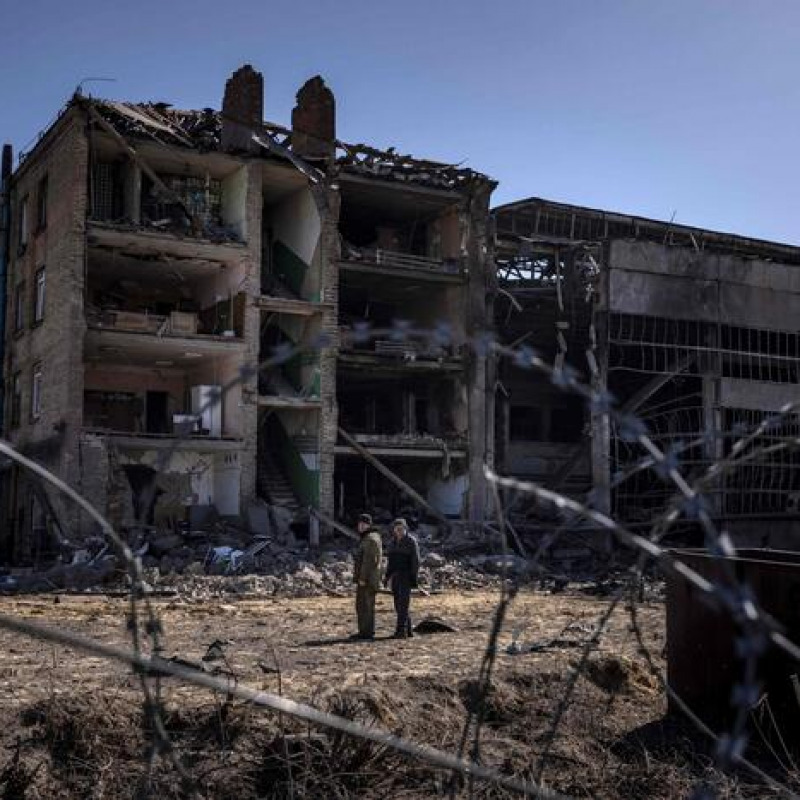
[(367, 576)]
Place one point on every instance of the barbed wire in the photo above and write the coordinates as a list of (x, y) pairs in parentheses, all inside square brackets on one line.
[(730, 594)]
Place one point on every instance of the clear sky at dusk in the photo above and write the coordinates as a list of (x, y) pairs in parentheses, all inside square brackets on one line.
[(689, 107)]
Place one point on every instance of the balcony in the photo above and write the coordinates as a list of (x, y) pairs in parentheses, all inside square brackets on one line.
[(137, 241), (399, 263), (412, 445), (156, 415), (411, 354)]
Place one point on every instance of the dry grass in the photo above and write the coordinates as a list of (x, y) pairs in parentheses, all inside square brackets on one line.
[(81, 732)]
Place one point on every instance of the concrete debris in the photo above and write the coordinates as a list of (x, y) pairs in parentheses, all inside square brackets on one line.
[(502, 565), (284, 572), (434, 560)]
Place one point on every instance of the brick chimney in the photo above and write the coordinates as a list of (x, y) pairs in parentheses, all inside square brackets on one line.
[(314, 120), (242, 109)]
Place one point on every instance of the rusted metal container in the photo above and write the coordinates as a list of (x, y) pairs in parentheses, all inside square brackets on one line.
[(702, 666)]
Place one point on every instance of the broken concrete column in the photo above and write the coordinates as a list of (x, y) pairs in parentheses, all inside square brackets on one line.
[(314, 120), (242, 110)]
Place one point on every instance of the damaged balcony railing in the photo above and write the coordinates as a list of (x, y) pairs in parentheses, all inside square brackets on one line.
[(396, 259), (421, 441), (408, 350), (175, 323)]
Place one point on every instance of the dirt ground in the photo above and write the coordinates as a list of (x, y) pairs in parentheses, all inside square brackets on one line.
[(72, 724)]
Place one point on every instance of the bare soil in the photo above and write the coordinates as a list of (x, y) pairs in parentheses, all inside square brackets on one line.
[(72, 724)]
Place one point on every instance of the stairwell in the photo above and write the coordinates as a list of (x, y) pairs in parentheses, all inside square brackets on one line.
[(274, 486)]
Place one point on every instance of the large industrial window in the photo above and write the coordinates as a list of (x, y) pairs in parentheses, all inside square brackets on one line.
[(36, 392), (41, 204), (38, 300)]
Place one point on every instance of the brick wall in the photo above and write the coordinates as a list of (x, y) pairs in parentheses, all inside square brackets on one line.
[(328, 203), (252, 323), (56, 342)]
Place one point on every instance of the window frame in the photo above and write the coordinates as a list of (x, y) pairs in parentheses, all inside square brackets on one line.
[(42, 192), (39, 281), (37, 383)]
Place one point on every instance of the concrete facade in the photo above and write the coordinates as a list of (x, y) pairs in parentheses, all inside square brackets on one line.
[(693, 331)]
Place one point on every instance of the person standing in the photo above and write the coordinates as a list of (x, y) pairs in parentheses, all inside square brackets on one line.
[(367, 576), (402, 571)]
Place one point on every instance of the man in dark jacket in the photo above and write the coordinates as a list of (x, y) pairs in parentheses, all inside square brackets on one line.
[(367, 576), (402, 571)]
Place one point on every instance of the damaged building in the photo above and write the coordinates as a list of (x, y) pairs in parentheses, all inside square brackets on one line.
[(691, 331), (154, 257)]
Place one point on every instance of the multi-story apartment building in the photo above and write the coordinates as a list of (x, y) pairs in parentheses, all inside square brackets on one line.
[(158, 256)]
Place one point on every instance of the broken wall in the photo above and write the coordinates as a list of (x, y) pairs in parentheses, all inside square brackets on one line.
[(722, 329)]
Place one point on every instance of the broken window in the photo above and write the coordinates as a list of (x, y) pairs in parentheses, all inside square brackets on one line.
[(106, 192), (38, 300), (566, 420), (117, 411), (36, 392), (19, 307), (16, 399), (201, 197), (765, 486), (41, 204), (525, 424)]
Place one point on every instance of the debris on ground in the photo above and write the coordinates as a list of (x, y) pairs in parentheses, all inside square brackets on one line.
[(434, 625)]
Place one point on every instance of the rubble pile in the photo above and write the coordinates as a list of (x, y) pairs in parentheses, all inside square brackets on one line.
[(294, 573), (223, 560)]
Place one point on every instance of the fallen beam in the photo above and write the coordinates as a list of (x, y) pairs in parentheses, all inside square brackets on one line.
[(268, 143), (315, 512), (397, 481), (657, 382), (143, 165), (631, 405)]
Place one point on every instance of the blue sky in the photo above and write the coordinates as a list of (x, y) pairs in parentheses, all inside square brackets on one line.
[(689, 107)]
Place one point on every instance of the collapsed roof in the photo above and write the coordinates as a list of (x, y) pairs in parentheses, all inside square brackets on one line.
[(201, 130), (536, 220)]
